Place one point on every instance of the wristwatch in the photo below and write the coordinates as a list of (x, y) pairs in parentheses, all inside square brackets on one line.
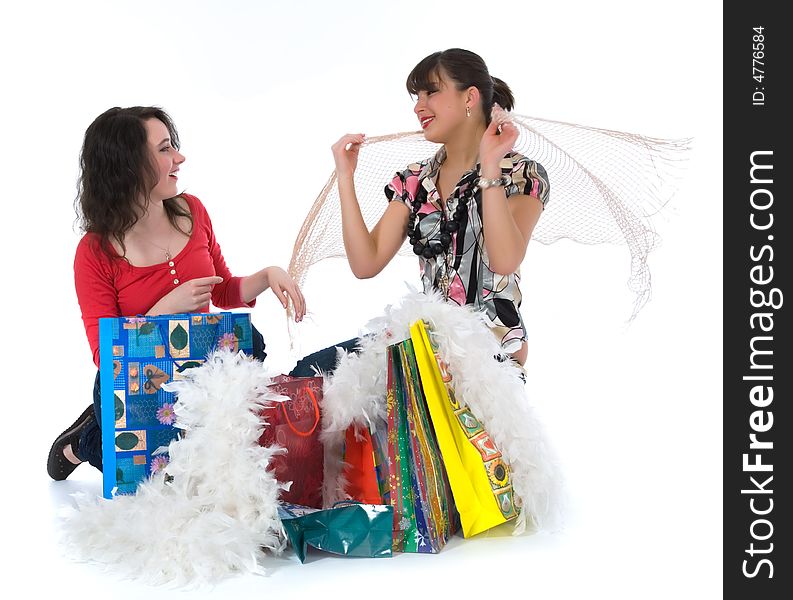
[(498, 181)]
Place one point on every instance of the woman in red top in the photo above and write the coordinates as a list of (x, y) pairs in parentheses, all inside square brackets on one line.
[(147, 250)]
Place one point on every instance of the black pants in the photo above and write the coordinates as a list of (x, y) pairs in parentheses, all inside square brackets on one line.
[(89, 448)]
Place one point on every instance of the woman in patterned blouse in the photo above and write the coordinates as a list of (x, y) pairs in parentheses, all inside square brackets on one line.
[(474, 204)]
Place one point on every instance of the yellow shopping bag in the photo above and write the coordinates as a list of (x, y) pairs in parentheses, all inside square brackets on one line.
[(478, 475)]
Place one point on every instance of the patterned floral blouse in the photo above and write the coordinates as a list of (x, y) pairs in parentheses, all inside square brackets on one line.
[(470, 279)]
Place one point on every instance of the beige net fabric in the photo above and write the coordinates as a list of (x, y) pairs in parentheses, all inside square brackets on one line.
[(606, 187)]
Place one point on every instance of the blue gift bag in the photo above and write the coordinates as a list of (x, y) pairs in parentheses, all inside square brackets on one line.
[(137, 355)]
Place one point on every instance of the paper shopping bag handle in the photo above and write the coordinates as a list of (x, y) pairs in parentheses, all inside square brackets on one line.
[(310, 392)]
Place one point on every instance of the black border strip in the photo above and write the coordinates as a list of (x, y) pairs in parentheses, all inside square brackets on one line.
[(758, 226)]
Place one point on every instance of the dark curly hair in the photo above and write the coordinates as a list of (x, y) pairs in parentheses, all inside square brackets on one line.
[(117, 174), (466, 69)]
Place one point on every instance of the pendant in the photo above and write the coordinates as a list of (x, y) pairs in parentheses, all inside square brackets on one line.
[(445, 280), (445, 286)]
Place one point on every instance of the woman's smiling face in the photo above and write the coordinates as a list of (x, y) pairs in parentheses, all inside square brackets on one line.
[(440, 109), (165, 160)]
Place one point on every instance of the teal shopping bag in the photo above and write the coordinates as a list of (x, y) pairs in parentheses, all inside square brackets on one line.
[(137, 355), (350, 529)]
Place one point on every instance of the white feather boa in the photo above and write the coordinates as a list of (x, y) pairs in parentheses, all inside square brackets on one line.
[(494, 391), (219, 511)]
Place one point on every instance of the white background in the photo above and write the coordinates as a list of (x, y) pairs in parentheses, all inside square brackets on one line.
[(259, 92)]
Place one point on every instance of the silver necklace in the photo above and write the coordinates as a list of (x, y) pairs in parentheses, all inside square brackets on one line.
[(167, 250)]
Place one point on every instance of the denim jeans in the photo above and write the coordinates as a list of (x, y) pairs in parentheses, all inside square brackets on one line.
[(89, 448)]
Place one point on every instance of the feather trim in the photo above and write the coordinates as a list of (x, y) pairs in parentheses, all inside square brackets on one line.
[(220, 509), (355, 394)]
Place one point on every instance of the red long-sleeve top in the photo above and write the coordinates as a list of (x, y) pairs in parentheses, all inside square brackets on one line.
[(111, 287)]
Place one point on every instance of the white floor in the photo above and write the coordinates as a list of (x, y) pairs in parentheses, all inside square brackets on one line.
[(628, 542), (635, 417), (644, 522)]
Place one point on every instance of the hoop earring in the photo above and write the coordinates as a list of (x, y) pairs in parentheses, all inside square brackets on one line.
[(467, 111)]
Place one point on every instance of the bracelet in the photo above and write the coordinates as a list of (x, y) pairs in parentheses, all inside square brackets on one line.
[(488, 183)]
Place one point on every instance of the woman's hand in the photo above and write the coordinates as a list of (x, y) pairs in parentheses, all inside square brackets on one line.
[(189, 297), (285, 289), (346, 159), (494, 145)]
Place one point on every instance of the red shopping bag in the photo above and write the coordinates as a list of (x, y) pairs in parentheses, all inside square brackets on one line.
[(295, 425), (360, 466)]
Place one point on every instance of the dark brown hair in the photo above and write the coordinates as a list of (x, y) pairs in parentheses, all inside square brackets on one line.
[(466, 69), (117, 173)]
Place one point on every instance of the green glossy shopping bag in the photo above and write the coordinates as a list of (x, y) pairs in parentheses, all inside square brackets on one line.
[(350, 529)]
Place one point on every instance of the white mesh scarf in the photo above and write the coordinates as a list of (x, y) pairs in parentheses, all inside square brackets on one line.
[(606, 187)]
